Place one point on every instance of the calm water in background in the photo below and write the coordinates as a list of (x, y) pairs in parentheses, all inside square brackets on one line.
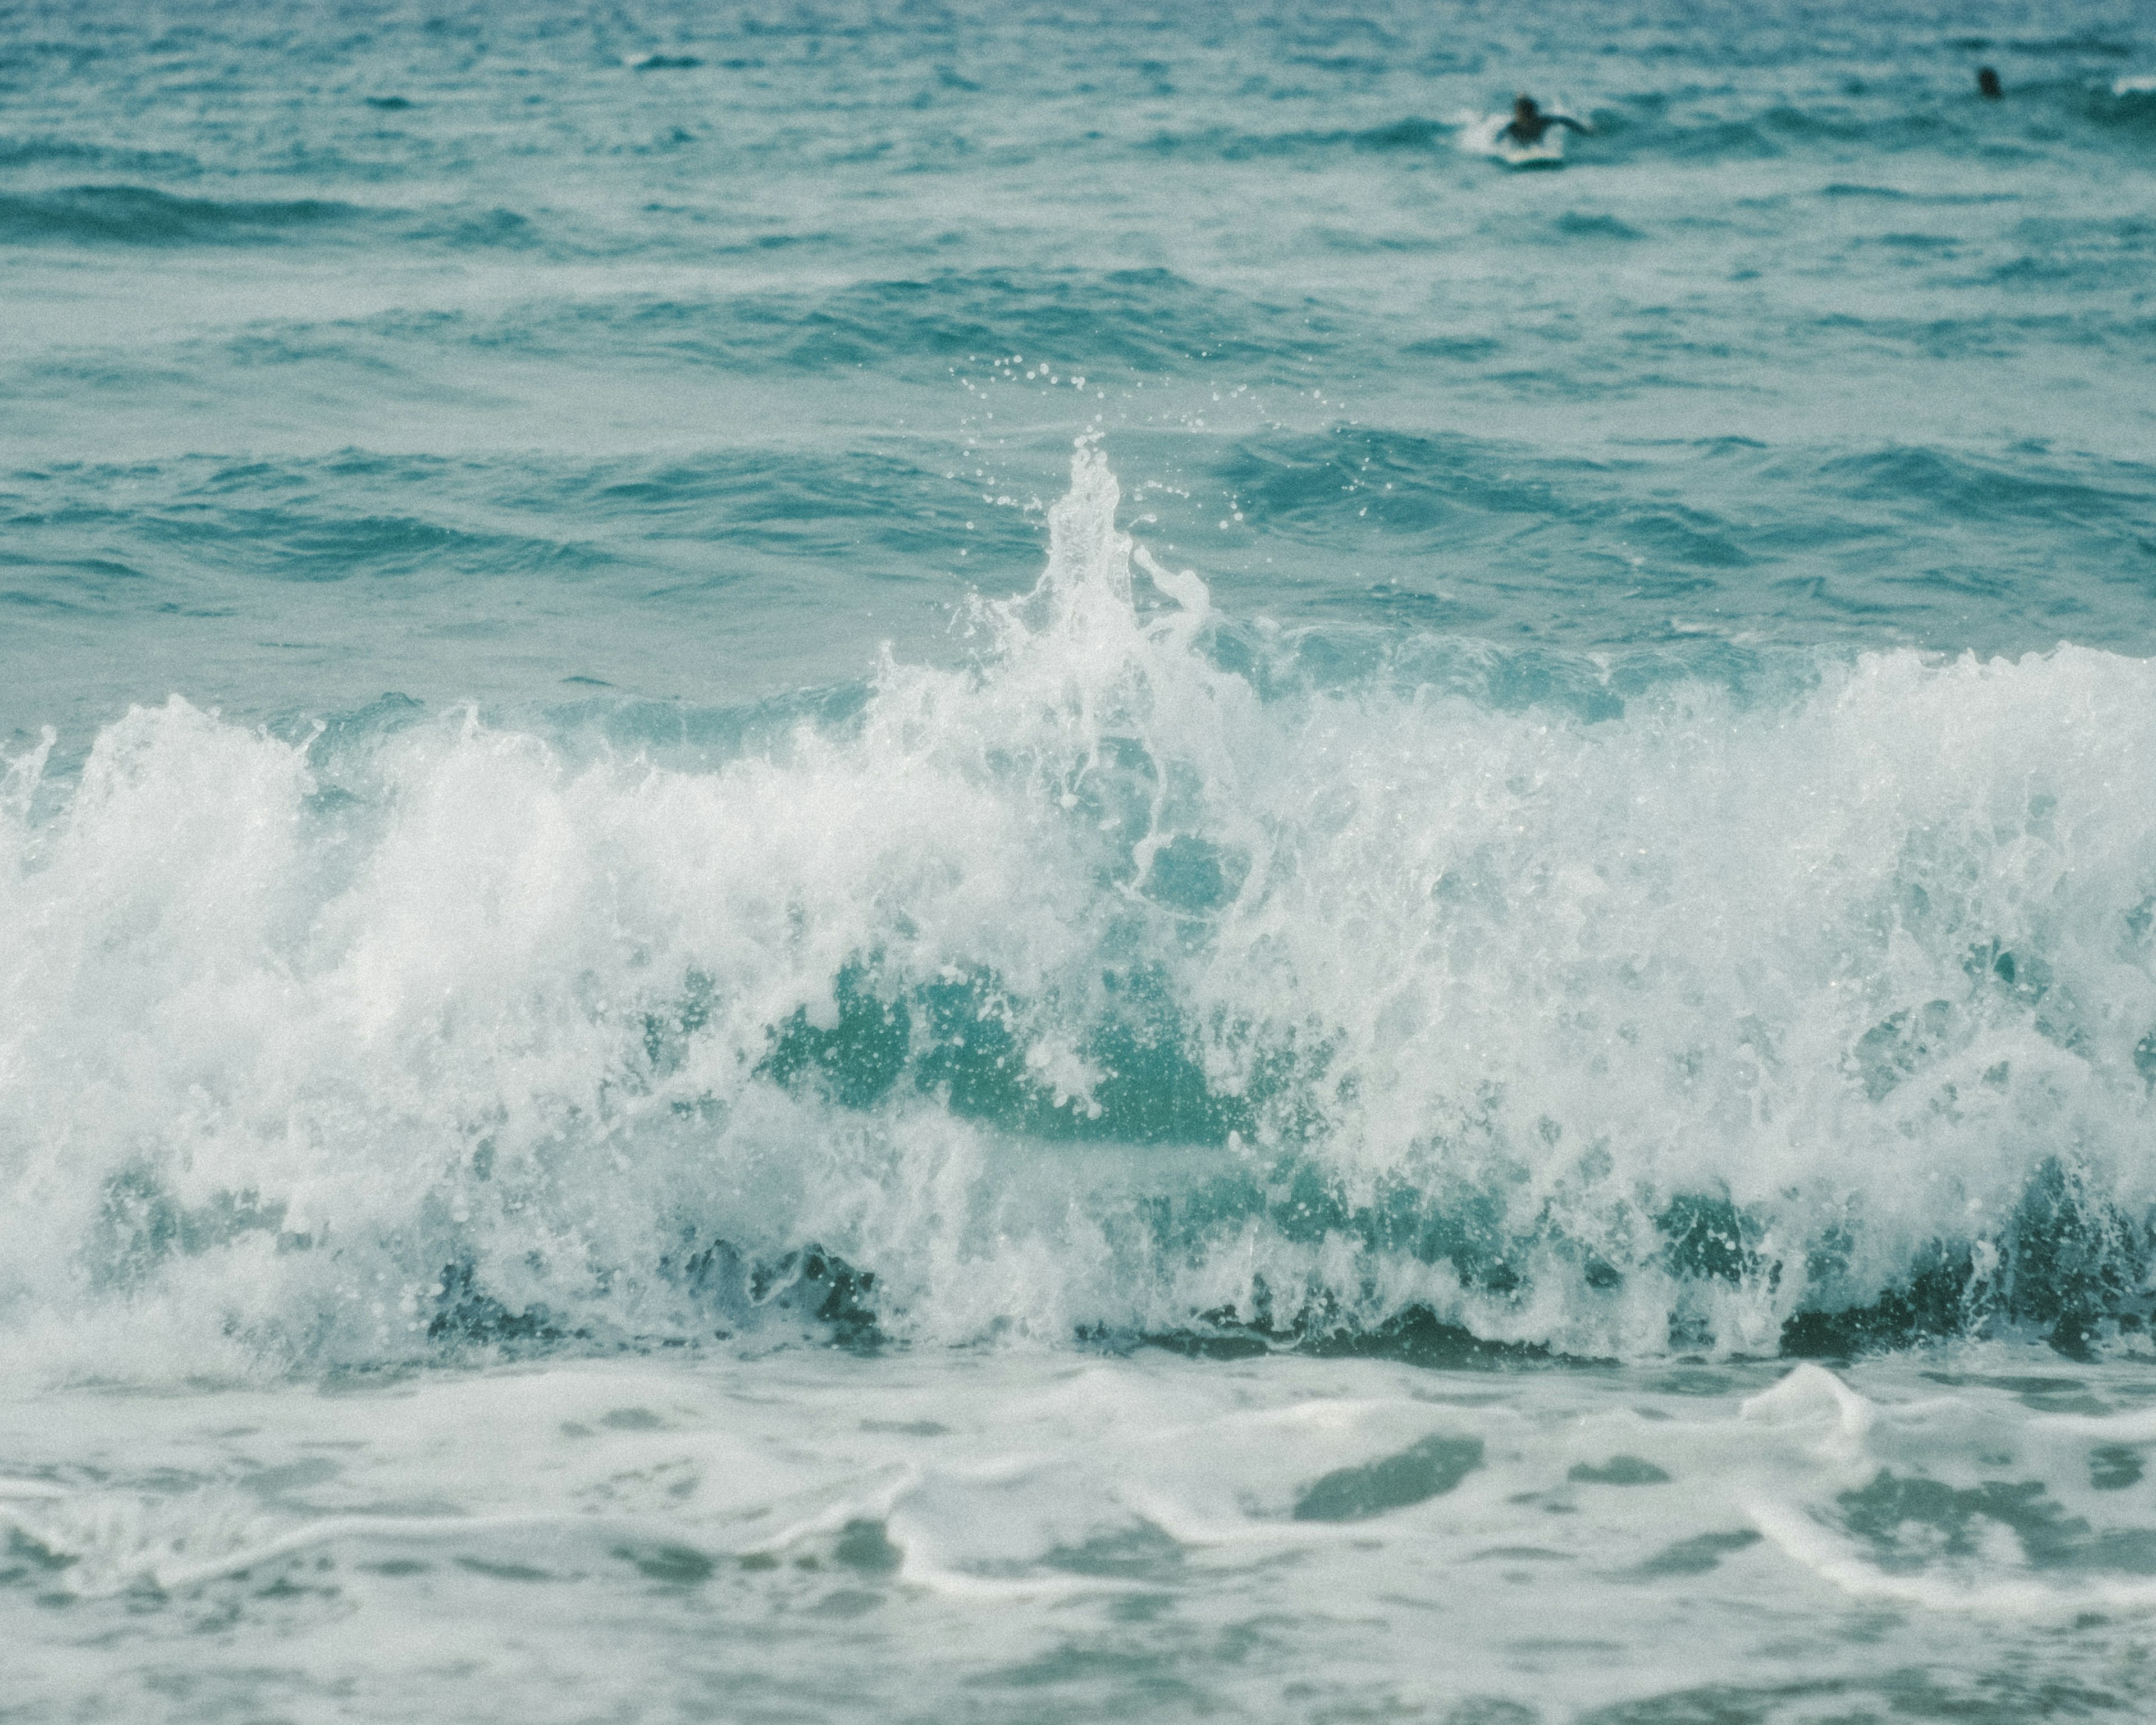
[(740, 742)]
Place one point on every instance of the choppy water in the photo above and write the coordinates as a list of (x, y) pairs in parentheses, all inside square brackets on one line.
[(905, 864)]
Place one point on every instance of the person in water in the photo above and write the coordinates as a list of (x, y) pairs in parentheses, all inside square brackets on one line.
[(1528, 122), (1987, 83)]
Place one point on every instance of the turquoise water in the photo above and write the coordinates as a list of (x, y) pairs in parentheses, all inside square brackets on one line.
[(895, 862)]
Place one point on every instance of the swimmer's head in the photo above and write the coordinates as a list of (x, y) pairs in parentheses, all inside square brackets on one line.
[(1523, 108), (1987, 82)]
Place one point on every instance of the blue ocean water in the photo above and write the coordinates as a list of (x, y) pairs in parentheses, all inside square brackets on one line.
[(905, 862)]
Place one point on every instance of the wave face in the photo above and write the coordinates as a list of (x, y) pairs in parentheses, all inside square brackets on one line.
[(141, 215), (1131, 980)]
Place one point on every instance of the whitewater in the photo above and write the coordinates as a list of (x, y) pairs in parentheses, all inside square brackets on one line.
[(887, 865)]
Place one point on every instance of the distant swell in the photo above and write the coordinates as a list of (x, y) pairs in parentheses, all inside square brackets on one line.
[(136, 215), (141, 216), (1410, 134), (16, 152)]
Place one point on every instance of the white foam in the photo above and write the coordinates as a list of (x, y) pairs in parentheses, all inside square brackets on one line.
[(1812, 1400), (292, 1030), (1478, 134)]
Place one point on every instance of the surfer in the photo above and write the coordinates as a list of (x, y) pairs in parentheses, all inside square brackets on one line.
[(1528, 123), (1987, 83)]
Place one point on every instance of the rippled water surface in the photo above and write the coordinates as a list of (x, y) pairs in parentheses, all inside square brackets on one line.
[(898, 863)]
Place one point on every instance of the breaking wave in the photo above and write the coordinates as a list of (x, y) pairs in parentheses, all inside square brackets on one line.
[(1130, 984)]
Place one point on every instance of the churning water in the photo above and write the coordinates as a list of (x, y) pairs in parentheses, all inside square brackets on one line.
[(892, 863)]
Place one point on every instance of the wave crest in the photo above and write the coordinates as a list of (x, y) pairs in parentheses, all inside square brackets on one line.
[(1118, 985)]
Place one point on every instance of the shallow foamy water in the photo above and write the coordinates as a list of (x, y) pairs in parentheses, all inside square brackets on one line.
[(988, 1535)]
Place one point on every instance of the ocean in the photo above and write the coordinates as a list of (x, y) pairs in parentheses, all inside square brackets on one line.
[(903, 862)]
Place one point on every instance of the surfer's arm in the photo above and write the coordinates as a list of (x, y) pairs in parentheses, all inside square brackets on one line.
[(1566, 119)]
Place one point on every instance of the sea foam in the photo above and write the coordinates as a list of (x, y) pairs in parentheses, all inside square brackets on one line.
[(1117, 983)]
